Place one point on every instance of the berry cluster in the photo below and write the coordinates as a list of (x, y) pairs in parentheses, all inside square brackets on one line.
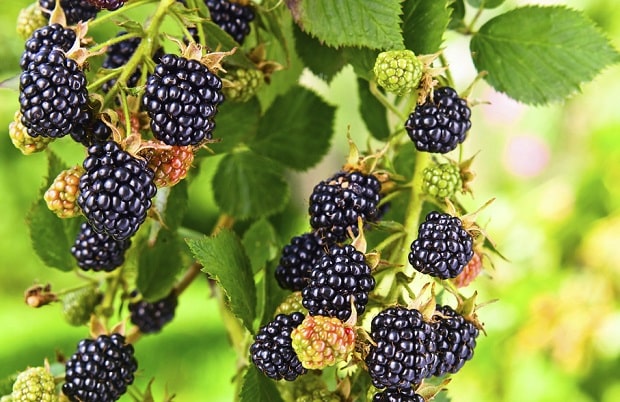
[(407, 349)]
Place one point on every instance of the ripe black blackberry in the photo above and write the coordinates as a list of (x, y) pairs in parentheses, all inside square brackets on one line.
[(441, 123), (98, 251), (151, 317), (53, 96), (272, 351), (118, 54), (95, 132), (336, 203), (75, 10), (456, 340), (181, 98), (404, 350), (100, 370), (108, 4), (297, 259), (443, 246), (398, 395), (339, 275), (115, 190), (233, 18), (45, 39)]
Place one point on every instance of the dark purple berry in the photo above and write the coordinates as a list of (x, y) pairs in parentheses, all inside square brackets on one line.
[(297, 259), (272, 351), (403, 353), (75, 10), (339, 276), (108, 4), (45, 39), (336, 203), (181, 98), (115, 190), (233, 18), (98, 251), (398, 395), (441, 123), (53, 96), (443, 246), (151, 317), (100, 370), (456, 340)]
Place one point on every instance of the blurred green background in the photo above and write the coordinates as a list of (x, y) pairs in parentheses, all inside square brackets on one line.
[(552, 335)]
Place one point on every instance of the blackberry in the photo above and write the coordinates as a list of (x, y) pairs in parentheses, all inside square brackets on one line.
[(336, 203), (118, 54), (233, 18), (297, 259), (456, 340), (181, 98), (108, 4), (115, 190), (100, 370), (272, 351), (441, 123), (338, 276), (403, 353), (45, 39), (53, 96), (95, 132), (98, 251), (151, 317), (75, 10), (398, 395), (442, 248)]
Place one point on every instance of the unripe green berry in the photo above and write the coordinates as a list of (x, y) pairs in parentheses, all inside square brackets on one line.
[(398, 71), (320, 395), (78, 305), (34, 385), (24, 142), (292, 304), (29, 20), (441, 181), (244, 84)]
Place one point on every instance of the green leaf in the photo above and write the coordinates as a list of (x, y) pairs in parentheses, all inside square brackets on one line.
[(540, 54), (223, 259), (260, 242), (236, 124), (485, 3), (272, 294), (51, 236), (158, 265), (424, 23), (362, 60), (457, 14), (217, 38), (373, 24), (296, 129), (176, 204), (373, 112), (258, 388), (247, 185), (324, 61)]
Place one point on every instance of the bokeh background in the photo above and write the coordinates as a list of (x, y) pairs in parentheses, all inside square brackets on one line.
[(553, 333)]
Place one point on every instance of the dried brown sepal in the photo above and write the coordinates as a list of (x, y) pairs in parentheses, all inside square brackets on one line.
[(39, 295), (425, 301), (429, 391)]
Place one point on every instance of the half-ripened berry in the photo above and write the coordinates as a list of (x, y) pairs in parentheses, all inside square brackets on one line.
[(170, 164), (22, 140), (61, 196)]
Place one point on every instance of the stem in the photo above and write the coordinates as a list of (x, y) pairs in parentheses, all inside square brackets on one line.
[(116, 39), (109, 296), (444, 63), (188, 278), (144, 48), (469, 29), (372, 86)]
